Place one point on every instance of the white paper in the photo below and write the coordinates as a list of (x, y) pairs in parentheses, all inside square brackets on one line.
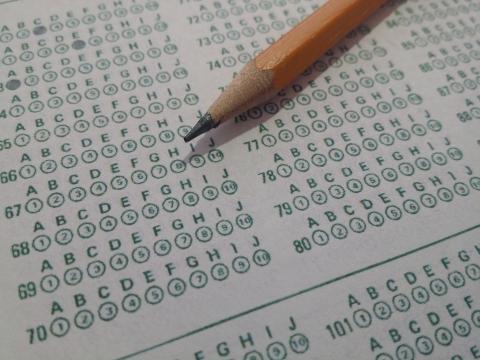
[(338, 221)]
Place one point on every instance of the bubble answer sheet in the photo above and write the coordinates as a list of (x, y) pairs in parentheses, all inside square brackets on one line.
[(340, 220)]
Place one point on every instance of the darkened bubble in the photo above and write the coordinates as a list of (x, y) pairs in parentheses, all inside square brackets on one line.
[(78, 44), (13, 84), (39, 30)]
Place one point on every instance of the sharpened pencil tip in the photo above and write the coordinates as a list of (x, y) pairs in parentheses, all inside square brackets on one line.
[(205, 124)]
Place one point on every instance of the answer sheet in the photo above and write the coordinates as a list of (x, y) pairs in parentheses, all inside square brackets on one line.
[(340, 220)]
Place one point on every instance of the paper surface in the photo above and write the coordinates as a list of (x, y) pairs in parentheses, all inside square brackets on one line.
[(339, 221)]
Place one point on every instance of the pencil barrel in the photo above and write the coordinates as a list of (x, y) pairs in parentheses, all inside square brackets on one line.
[(299, 48)]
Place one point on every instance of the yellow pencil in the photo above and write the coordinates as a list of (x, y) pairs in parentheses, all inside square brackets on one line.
[(287, 58)]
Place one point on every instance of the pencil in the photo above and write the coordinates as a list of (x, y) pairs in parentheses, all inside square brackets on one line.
[(285, 60)]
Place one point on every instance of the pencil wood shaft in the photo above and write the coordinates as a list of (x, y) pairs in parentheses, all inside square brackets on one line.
[(250, 87), (282, 62), (305, 43)]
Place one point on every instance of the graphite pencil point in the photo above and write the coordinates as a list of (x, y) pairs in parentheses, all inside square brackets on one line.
[(205, 124)]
